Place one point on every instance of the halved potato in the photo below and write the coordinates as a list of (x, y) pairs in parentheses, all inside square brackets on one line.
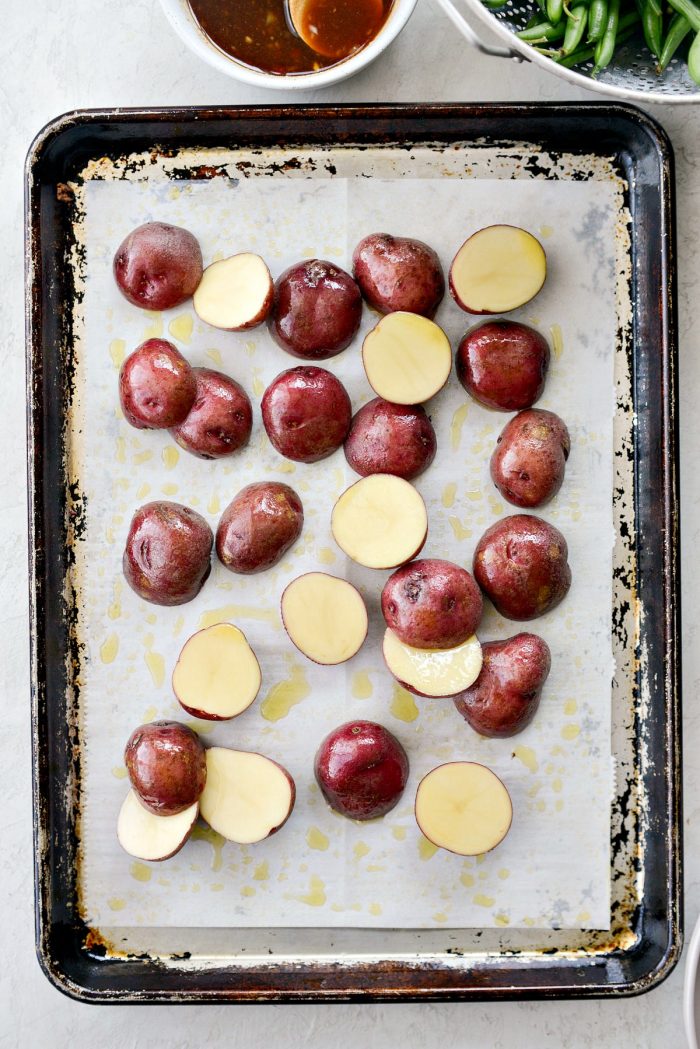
[(247, 797), (407, 358), (217, 675), (433, 671), (380, 521), (463, 807), (235, 293), (325, 617), (147, 836), (497, 269)]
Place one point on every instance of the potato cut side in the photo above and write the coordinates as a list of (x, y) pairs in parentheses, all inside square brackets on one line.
[(234, 293), (380, 521), (497, 270), (433, 671), (463, 807), (247, 796), (217, 675), (147, 836), (407, 358), (325, 617)]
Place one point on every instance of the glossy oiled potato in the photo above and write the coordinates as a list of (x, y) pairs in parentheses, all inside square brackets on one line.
[(306, 412), (220, 420), (398, 273), (387, 438), (503, 364), (158, 266), (521, 565), (361, 769), (258, 527), (157, 386), (432, 604), (316, 310), (527, 465), (166, 765), (167, 556)]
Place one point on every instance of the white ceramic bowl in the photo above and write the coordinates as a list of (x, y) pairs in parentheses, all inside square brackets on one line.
[(180, 17)]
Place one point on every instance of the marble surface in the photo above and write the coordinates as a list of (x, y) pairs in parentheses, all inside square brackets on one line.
[(58, 56)]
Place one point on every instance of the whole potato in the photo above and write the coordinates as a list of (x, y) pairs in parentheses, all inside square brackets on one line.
[(167, 557), (220, 420), (158, 266), (398, 273), (258, 527), (388, 438), (503, 364), (316, 311), (166, 765), (504, 698), (521, 565), (306, 412), (528, 463), (432, 604), (156, 386)]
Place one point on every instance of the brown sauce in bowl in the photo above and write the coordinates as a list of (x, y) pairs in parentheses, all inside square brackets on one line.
[(256, 32)]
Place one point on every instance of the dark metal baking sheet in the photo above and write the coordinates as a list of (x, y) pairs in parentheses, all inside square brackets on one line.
[(179, 966)]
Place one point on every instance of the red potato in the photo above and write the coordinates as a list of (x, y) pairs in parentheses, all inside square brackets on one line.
[(432, 604), (247, 796), (361, 769), (325, 617), (166, 765), (528, 463), (316, 311), (306, 412), (407, 358), (497, 269), (521, 565), (217, 675), (167, 557), (463, 807), (235, 294), (156, 386), (503, 364), (380, 521), (220, 420), (432, 672), (147, 836), (258, 527), (158, 266), (504, 698), (398, 273), (388, 438)]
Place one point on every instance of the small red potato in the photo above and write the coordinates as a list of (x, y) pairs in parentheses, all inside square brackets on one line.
[(504, 698), (407, 358), (521, 565), (325, 617), (166, 765), (388, 438), (432, 604), (167, 557), (398, 273), (217, 675), (306, 412), (463, 807), (433, 672), (503, 364), (147, 836), (361, 769), (157, 386), (220, 420), (258, 527), (316, 310), (158, 266), (497, 269), (528, 463), (247, 796), (380, 521), (235, 294)]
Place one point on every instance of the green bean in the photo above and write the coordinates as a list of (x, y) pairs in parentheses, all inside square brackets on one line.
[(575, 28), (655, 5), (652, 27), (543, 31), (585, 54), (605, 48), (694, 59), (689, 9), (597, 18), (677, 32), (555, 11)]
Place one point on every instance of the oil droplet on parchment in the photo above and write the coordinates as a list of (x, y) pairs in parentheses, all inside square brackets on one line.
[(466, 879), (316, 896), (228, 612), (285, 695), (440, 917), (217, 842), (154, 661), (143, 491), (154, 330), (120, 450), (546, 231), (375, 908), (250, 347), (109, 649), (117, 351), (360, 850), (503, 873), (458, 420), (258, 386), (119, 772), (247, 890), (361, 685), (527, 756), (501, 919), (170, 456), (459, 530), (448, 494), (149, 715), (180, 327), (213, 506), (403, 705), (116, 904), (399, 833), (285, 468), (570, 707), (326, 556), (262, 871), (426, 849), (141, 457), (316, 839), (115, 609), (214, 356), (140, 872), (557, 341), (483, 901), (570, 731)]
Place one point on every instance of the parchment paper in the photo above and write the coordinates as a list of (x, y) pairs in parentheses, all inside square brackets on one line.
[(552, 870)]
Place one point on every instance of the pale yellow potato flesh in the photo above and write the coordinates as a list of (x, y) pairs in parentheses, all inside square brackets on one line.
[(407, 358), (147, 836), (463, 807), (234, 293), (433, 672), (498, 269), (247, 796), (217, 673), (380, 521), (325, 617)]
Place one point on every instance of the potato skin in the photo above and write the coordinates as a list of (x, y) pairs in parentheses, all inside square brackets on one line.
[(167, 557), (432, 604), (306, 412), (158, 266), (167, 766), (528, 463), (361, 769), (503, 364), (157, 386), (316, 310), (504, 698), (258, 527), (521, 565), (220, 420), (398, 273), (387, 438)]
